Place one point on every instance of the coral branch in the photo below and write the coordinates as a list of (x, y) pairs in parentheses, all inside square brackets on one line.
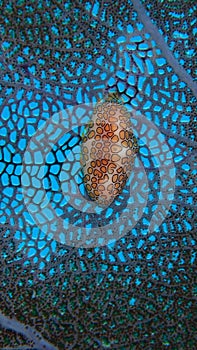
[(152, 29), (27, 331)]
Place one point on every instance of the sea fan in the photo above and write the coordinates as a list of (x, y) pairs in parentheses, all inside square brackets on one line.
[(75, 275)]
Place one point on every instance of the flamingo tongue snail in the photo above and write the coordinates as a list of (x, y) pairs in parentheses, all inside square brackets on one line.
[(109, 148)]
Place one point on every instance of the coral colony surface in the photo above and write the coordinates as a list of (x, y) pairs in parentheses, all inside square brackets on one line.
[(98, 138)]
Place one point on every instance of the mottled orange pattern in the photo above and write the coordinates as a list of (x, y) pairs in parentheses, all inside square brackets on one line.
[(108, 151)]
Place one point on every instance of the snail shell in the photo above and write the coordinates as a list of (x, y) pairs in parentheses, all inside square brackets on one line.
[(108, 151)]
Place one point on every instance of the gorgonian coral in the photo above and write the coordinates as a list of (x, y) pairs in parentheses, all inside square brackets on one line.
[(74, 276)]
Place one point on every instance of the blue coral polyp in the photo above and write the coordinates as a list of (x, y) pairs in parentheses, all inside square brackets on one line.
[(109, 148)]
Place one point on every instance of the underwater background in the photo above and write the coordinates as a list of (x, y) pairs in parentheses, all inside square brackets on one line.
[(74, 276)]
